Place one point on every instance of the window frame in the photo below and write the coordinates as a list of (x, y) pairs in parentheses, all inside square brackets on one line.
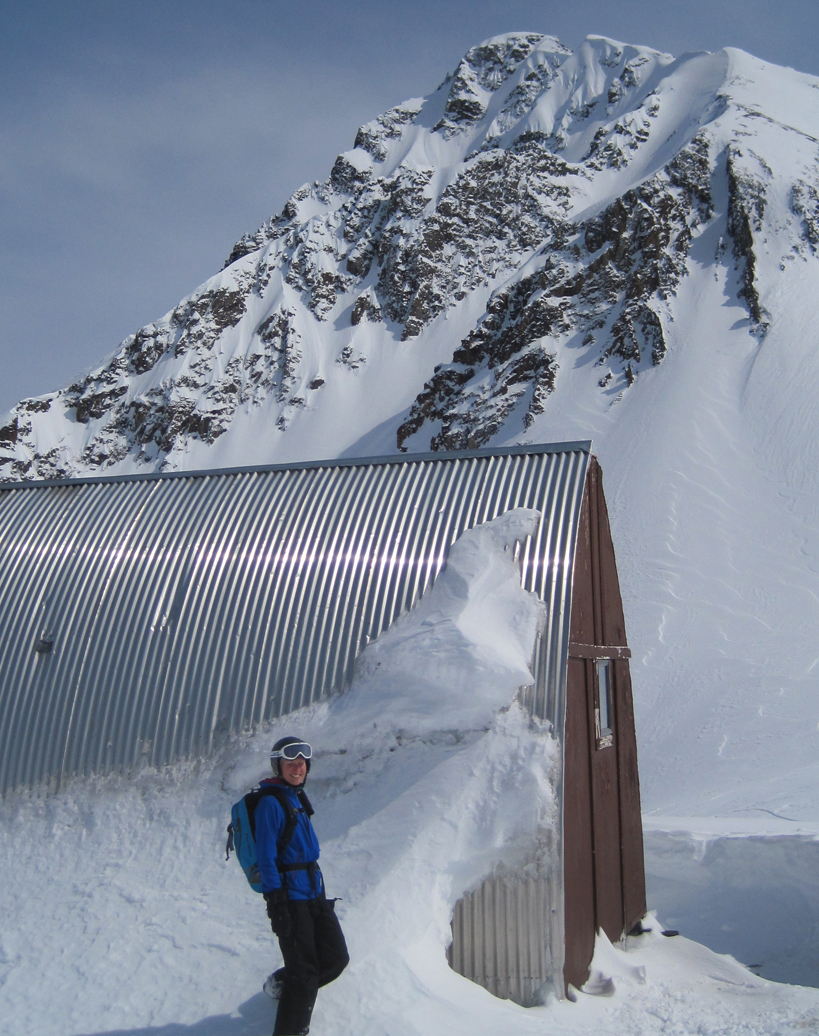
[(604, 735)]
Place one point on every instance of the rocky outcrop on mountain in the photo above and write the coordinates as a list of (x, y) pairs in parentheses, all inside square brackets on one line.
[(538, 210), (602, 278), (480, 73), (374, 137), (746, 208), (516, 197), (805, 205)]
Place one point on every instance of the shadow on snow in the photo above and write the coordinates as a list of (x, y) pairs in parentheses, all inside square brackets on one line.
[(256, 1018)]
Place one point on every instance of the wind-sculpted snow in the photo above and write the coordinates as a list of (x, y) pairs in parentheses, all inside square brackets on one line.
[(475, 630), (536, 211)]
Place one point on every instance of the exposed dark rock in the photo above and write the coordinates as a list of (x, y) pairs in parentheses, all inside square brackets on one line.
[(804, 202), (690, 169), (613, 146), (145, 348), (169, 413), (97, 404), (276, 228), (199, 321), (366, 307), (35, 406), (348, 359), (314, 271), (389, 126), (507, 343), (283, 344), (615, 91), (608, 273), (503, 204), (484, 68), (51, 464), (746, 207), (523, 98), (8, 433), (346, 178)]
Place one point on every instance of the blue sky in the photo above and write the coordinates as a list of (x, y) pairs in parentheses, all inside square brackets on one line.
[(139, 140)]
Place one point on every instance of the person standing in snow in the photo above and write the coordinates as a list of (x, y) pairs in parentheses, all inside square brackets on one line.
[(301, 916)]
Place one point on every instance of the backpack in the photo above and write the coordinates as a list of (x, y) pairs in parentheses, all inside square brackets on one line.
[(242, 829)]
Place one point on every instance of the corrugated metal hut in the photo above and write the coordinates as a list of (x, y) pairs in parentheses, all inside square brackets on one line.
[(146, 618)]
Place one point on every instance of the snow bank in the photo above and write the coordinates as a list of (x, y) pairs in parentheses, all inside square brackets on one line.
[(464, 649), (753, 896)]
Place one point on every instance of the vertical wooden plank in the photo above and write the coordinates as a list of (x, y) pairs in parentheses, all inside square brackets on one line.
[(634, 878), (582, 621), (613, 620), (608, 874), (578, 848), (594, 490)]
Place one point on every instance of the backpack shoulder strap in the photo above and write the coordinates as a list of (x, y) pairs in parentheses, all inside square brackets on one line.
[(291, 818), (305, 802)]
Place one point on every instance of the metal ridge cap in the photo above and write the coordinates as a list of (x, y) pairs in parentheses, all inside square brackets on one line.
[(523, 449)]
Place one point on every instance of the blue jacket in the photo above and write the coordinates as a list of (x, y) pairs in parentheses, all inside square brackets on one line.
[(303, 847)]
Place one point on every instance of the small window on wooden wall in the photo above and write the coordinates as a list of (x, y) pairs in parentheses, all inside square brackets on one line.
[(603, 715)]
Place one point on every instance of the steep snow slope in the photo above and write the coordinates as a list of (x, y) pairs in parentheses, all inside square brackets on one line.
[(717, 535), (122, 917)]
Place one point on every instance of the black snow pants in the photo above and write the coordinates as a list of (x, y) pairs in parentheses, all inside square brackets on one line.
[(314, 954)]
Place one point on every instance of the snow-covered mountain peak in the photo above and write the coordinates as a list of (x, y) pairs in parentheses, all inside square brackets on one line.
[(533, 216)]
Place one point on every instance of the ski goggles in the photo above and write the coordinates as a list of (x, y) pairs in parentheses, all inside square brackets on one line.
[(291, 752)]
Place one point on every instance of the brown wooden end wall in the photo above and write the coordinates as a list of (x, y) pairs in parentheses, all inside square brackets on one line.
[(604, 875)]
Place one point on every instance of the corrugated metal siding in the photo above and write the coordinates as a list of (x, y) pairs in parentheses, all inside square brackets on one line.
[(501, 937), (184, 608)]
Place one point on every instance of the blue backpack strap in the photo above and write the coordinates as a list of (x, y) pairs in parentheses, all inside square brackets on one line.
[(243, 829), (291, 819)]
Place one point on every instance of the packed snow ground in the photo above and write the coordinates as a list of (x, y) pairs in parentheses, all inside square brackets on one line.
[(122, 918)]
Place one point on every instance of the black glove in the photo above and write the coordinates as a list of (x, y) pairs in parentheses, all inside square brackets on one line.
[(278, 912)]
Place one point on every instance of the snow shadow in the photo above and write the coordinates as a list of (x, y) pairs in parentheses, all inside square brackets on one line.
[(756, 898), (256, 1017)]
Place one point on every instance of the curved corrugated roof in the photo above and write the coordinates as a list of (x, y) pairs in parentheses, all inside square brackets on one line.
[(146, 617)]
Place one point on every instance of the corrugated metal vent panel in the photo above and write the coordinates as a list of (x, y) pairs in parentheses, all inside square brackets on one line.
[(501, 937), (145, 618)]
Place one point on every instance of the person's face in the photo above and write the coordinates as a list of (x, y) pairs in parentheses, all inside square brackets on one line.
[(294, 770)]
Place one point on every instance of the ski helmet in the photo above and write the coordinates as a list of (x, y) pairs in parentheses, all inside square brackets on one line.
[(289, 748)]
